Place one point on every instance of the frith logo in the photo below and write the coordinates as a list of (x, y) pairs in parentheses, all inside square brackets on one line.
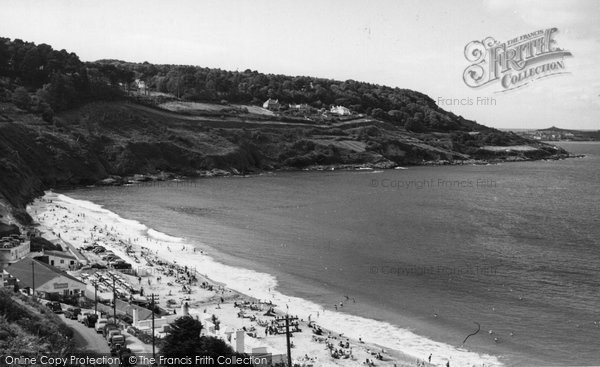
[(514, 63)]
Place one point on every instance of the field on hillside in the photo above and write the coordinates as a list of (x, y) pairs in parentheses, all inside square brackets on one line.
[(515, 148), (353, 145), (190, 107)]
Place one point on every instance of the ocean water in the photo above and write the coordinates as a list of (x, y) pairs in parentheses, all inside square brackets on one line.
[(426, 251)]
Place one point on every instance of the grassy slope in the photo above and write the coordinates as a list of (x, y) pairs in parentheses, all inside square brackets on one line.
[(29, 329)]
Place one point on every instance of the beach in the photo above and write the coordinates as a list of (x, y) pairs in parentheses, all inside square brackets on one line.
[(81, 223)]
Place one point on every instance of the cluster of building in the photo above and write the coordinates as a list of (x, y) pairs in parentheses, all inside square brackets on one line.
[(44, 274), (274, 105), (41, 273), (43, 279), (552, 135)]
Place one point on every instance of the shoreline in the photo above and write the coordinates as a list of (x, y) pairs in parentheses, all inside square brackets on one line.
[(155, 241), (16, 211), (140, 178)]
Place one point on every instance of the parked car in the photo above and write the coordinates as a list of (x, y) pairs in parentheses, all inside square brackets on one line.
[(90, 320), (116, 340), (125, 355), (24, 292), (113, 335), (117, 349), (100, 325), (55, 306), (122, 265), (72, 313), (110, 326), (112, 332), (83, 315)]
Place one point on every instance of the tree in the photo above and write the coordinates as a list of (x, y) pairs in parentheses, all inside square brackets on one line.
[(413, 124), (396, 115), (60, 93), (4, 55), (378, 113), (184, 340), (21, 98)]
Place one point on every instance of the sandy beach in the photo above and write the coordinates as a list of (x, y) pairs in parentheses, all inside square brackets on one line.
[(205, 286)]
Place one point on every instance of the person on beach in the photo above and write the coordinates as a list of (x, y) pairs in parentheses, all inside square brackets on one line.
[(429, 359)]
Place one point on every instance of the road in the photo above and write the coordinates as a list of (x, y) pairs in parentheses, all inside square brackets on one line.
[(87, 338)]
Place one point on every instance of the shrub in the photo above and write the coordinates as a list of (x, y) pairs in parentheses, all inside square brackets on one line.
[(21, 98)]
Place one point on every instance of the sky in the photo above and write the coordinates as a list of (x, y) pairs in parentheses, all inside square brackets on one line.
[(418, 45)]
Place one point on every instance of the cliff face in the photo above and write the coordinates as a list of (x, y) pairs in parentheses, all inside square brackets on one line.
[(99, 140)]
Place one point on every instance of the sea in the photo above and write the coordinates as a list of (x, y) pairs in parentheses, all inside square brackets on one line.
[(411, 257)]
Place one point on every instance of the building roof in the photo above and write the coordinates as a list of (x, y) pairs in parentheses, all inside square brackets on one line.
[(63, 254), (43, 272)]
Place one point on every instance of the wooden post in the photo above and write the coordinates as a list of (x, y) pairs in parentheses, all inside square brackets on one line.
[(32, 278), (114, 299), (153, 350), (287, 338)]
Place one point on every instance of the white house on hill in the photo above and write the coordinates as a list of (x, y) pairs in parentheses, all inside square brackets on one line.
[(271, 104), (340, 110)]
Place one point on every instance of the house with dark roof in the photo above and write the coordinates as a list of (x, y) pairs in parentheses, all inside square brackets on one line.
[(45, 279)]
